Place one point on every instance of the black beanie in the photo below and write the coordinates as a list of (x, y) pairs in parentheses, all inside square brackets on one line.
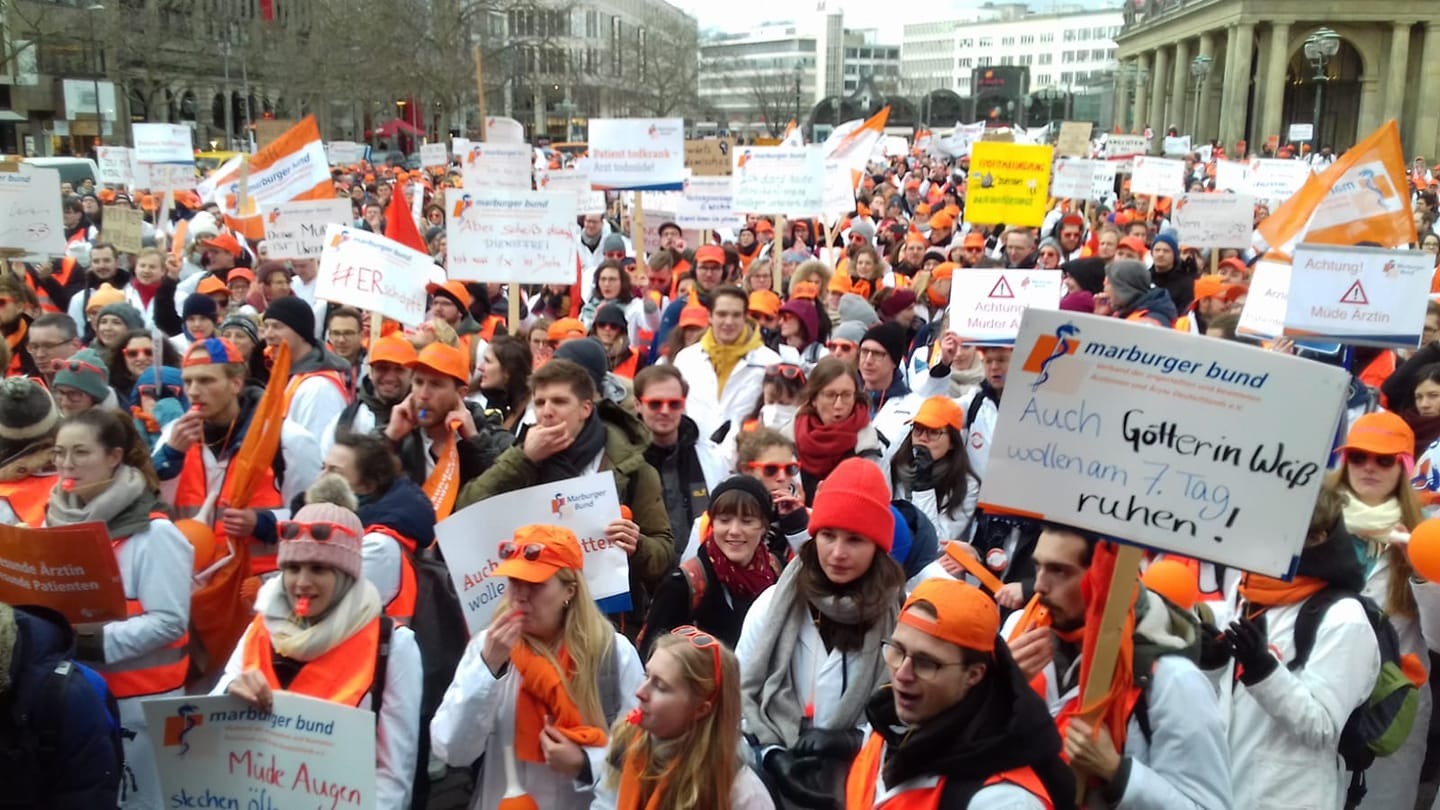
[(589, 355), (200, 304), (294, 313), (749, 486), (891, 336)]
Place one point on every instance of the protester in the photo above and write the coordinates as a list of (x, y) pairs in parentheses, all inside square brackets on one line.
[(82, 383), (689, 465), (505, 380), (29, 419), (726, 368), (435, 417), (53, 338), (317, 390), (1132, 296), (931, 470), (832, 423)]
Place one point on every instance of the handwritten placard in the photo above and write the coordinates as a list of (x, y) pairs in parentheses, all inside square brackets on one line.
[(1125, 146), (497, 166), (1234, 175), (1215, 220), (1074, 140), (469, 539), (1160, 177), (434, 156), (520, 236), (1276, 180), (637, 153), (30, 215), (123, 228), (267, 130), (1176, 145), (165, 176), (114, 164), (70, 569), (1074, 179), (499, 129), (576, 181), (708, 204), (344, 153), (1360, 295), (986, 306), (1009, 183), (370, 272), (1264, 313), (710, 157), (779, 180), (219, 751), (296, 230), (162, 143)]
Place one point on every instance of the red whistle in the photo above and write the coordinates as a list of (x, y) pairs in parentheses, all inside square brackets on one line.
[(194, 408), (302, 606), (67, 484)]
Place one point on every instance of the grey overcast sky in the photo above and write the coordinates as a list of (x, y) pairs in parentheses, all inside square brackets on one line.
[(739, 15)]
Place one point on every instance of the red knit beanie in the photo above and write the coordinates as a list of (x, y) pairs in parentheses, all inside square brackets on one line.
[(855, 498)]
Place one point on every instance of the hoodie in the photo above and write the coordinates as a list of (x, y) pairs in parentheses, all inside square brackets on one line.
[(403, 507), (1156, 304)]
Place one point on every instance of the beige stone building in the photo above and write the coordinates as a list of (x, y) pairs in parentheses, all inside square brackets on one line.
[(1384, 62)]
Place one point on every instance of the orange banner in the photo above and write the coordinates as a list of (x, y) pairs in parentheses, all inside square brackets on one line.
[(443, 485), (70, 569), (292, 167)]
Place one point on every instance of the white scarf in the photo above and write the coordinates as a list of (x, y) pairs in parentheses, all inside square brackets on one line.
[(1377, 525), (301, 640)]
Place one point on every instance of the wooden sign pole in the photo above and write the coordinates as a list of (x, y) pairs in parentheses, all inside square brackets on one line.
[(1112, 623), (637, 225), (778, 246)]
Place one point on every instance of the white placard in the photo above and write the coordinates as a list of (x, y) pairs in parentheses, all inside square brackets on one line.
[(1277, 180), (499, 129), (894, 146), (30, 211), (370, 272), (986, 306), (1215, 220), (779, 180), (489, 166), (344, 153), (1264, 313), (1301, 132), (220, 751), (1234, 175), (434, 156), (708, 204), (163, 143), (470, 540), (1124, 146), (1163, 439), (1361, 295), (459, 146), (1160, 177), (520, 236), (576, 181), (1074, 179), (165, 176), (1102, 185), (1177, 145), (296, 230), (114, 163), (637, 153), (839, 189)]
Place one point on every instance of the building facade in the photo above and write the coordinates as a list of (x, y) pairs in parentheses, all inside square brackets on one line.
[(1258, 79)]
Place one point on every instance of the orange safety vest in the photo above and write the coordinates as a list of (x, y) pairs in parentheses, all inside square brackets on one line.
[(14, 341), (62, 276), (489, 325), (155, 672), (860, 784), (627, 367), (344, 675), (402, 607), (29, 496), (191, 488)]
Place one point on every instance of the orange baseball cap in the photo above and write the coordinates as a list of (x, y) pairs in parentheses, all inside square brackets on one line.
[(1173, 580), (1134, 243), (942, 271), (239, 272), (1382, 433), (450, 361), (454, 290), (942, 220), (938, 412), (223, 241), (974, 239), (964, 616), (393, 349), (1209, 286), (765, 302), (807, 290), (211, 285), (534, 553), (764, 226), (1238, 264), (840, 282), (710, 253), (694, 315), (564, 329)]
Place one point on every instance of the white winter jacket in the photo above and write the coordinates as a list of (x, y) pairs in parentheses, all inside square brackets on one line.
[(706, 404)]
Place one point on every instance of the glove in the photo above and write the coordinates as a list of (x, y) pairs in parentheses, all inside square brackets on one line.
[(1249, 640), (924, 467), (798, 779), (1214, 647), (840, 743)]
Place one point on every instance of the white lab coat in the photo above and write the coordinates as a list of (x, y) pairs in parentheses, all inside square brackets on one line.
[(381, 559), (477, 716), (980, 432), (364, 424), (706, 404), (317, 401), (746, 793)]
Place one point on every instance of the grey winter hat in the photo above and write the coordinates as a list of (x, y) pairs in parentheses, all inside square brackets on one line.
[(855, 308), (614, 243), (85, 371), (589, 355), (853, 331), (27, 413), (128, 314), (1129, 280)]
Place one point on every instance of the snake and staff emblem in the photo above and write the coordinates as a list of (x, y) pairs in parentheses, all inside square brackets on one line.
[(1062, 347)]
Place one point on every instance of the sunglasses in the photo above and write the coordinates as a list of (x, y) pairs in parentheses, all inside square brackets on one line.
[(1361, 458), (788, 371), (320, 530), (137, 353), (662, 404), (160, 391), (704, 641), (530, 552), (840, 346), (78, 365), (771, 469)]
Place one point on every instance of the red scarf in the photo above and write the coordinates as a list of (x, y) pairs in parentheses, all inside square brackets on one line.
[(146, 291), (745, 581), (821, 447)]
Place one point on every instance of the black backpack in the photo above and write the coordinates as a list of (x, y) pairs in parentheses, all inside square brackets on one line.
[(439, 627), (32, 732)]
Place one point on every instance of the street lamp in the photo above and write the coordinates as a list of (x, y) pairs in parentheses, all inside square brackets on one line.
[(90, 12), (799, 74), (1200, 69), (1050, 95), (1320, 48)]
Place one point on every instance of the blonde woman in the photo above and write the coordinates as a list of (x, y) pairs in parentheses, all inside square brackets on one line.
[(537, 689)]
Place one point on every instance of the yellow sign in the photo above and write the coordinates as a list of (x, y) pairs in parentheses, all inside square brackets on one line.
[(1008, 183)]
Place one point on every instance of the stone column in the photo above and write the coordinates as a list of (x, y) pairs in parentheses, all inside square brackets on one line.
[(1179, 99), (1425, 133), (1237, 85), (1157, 88), (1201, 126), (1273, 100), (1141, 108), (1398, 67)]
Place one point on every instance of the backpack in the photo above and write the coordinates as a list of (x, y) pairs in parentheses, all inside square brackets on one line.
[(38, 725), (1380, 725), (439, 627)]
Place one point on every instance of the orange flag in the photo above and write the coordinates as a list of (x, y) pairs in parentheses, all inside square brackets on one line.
[(292, 167), (262, 440), (398, 224), (1362, 197), (1113, 708)]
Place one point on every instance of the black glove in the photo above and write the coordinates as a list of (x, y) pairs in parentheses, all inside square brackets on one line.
[(924, 467), (90, 645), (799, 779), (1214, 647), (838, 743), (1249, 640)]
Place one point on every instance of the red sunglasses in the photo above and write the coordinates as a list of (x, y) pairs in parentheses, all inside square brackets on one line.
[(663, 404), (704, 641), (320, 530)]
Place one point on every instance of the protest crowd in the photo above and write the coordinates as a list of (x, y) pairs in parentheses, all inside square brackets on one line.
[(714, 521)]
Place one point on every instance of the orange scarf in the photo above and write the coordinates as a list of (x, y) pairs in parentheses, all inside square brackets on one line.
[(543, 693), (1262, 590), (632, 781), (443, 484)]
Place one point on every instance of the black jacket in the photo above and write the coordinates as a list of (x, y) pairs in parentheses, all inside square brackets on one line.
[(682, 481), (718, 614)]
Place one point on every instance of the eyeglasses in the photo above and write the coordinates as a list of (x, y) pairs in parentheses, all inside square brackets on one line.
[(873, 353), (530, 552), (160, 392), (771, 469), (1360, 458), (663, 404), (138, 353), (924, 667), (836, 396), (923, 432), (840, 346), (704, 641), (789, 371), (320, 530)]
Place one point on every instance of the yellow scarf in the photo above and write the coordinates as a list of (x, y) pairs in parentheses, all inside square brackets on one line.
[(726, 357)]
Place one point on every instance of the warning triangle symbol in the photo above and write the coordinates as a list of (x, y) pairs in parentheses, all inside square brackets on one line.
[(1002, 289), (1355, 295)]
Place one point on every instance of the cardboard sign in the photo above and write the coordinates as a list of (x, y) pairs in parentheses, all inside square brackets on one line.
[(370, 272), (1074, 179), (163, 143), (1163, 439), (1301, 132), (710, 157), (1277, 179), (708, 204), (114, 165), (488, 166), (986, 306), (434, 156), (160, 177), (1008, 183), (637, 153), (779, 180), (268, 130), (296, 230), (1074, 140), (1159, 177), (1125, 146), (460, 146), (585, 505), (1360, 295), (123, 228), (1177, 145), (220, 751), (1215, 220), (519, 236), (344, 153), (71, 569), (30, 211), (1102, 184), (1264, 313), (1234, 175), (574, 181), (499, 129)]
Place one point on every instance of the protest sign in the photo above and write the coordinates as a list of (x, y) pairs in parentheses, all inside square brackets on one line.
[(1359, 295), (839, 194), (1102, 185), (371, 272), (585, 505), (708, 204), (1301, 132), (779, 180), (1234, 175), (114, 165), (1163, 439), (1214, 220), (296, 230), (1124, 146), (221, 751), (123, 228), (1277, 179), (1264, 313), (1008, 183), (512, 236), (291, 168), (499, 129), (162, 143), (709, 157), (1177, 145), (165, 176), (487, 166), (1159, 177), (1074, 140), (267, 131), (575, 181), (1074, 179), (344, 153), (894, 146), (30, 215), (986, 306), (70, 569), (637, 153), (434, 156)]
